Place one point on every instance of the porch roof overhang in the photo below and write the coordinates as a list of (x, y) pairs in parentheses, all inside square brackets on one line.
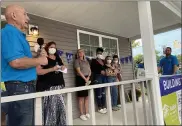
[(116, 17)]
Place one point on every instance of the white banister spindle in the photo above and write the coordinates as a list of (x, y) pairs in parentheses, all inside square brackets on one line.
[(109, 106), (123, 107), (144, 103), (150, 100), (134, 104), (92, 106), (38, 111), (69, 109)]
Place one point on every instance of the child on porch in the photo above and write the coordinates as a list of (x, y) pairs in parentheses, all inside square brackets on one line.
[(116, 65), (110, 78)]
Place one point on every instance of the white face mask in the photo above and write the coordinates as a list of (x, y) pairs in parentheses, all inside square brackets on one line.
[(109, 61), (115, 61), (99, 56), (52, 51)]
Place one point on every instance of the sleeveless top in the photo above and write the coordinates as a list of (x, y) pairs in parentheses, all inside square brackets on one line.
[(44, 82)]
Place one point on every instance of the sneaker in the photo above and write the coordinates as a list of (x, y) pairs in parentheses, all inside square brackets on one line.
[(101, 111), (88, 116), (105, 110), (83, 117), (115, 108), (119, 106)]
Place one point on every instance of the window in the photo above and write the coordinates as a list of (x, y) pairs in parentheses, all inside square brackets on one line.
[(91, 41), (3, 21)]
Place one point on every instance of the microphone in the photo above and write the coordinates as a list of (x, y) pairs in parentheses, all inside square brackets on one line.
[(39, 46), (40, 41)]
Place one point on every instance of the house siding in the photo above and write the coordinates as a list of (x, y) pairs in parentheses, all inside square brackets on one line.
[(65, 36)]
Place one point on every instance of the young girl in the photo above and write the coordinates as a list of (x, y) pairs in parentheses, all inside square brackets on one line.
[(110, 78), (116, 65)]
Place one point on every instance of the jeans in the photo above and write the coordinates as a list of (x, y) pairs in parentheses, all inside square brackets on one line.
[(100, 92), (114, 91), (20, 113)]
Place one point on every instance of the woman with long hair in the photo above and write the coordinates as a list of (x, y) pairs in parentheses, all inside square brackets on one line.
[(49, 78), (83, 74)]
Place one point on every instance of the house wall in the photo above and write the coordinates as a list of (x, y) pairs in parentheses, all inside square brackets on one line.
[(65, 35)]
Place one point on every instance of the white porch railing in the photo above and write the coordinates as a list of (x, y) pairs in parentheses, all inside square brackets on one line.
[(69, 91)]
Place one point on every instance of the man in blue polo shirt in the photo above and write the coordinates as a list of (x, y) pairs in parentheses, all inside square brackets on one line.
[(169, 63), (17, 66)]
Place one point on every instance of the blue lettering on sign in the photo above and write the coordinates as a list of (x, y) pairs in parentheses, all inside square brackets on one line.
[(171, 84)]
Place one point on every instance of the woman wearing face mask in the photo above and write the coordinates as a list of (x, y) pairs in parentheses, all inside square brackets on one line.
[(83, 74), (98, 71), (50, 79), (116, 65), (111, 77)]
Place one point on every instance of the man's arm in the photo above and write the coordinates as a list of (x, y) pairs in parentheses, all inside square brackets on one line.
[(175, 69), (159, 69), (160, 65), (175, 63), (25, 63)]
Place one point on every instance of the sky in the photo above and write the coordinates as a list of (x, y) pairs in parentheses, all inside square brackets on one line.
[(163, 39)]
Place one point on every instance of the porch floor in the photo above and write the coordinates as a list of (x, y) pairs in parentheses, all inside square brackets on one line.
[(102, 119)]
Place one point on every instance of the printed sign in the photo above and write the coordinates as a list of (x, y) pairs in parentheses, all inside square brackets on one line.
[(171, 89)]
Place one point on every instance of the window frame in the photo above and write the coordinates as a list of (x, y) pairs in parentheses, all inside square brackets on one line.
[(3, 18), (100, 39)]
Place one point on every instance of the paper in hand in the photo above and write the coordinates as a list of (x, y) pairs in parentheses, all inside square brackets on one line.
[(63, 71)]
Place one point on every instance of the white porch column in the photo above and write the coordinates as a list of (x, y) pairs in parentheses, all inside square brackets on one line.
[(146, 29)]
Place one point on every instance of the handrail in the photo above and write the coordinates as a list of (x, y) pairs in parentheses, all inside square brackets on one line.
[(66, 90)]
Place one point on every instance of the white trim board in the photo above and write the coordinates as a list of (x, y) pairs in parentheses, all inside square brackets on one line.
[(3, 18), (172, 7)]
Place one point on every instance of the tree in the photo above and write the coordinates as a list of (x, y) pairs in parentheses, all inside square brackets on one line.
[(179, 57), (138, 58), (135, 43)]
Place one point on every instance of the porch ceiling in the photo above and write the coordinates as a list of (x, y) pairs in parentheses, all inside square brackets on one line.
[(119, 18)]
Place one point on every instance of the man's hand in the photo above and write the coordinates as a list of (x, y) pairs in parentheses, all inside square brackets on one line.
[(43, 60), (43, 53)]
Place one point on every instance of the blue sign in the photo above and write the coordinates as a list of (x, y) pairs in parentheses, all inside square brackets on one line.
[(170, 84)]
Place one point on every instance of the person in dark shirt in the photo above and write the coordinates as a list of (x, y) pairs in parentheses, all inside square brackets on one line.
[(98, 71), (49, 78)]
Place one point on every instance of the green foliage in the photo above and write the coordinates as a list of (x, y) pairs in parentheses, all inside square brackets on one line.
[(134, 44), (179, 57), (138, 58)]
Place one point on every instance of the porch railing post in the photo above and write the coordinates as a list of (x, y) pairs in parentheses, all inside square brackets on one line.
[(135, 113), (123, 106), (144, 103), (92, 106), (38, 111), (69, 109), (152, 102), (109, 105)]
